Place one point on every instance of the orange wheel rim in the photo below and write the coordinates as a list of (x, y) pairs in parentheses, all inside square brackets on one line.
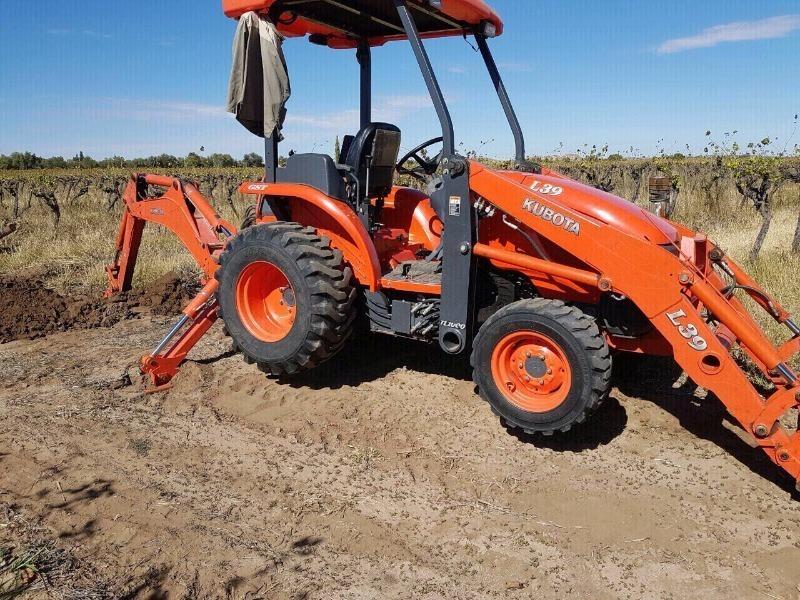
[(265, 301), (532, 371)]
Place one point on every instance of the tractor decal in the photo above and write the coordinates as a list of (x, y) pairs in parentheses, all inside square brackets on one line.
[(537, 209), (690, 332)]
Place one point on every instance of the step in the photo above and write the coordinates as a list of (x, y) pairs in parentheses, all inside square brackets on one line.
[(415, 276)]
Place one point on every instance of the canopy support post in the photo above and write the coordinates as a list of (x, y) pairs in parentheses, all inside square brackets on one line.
[(271, 157), (364, 56), (497, 80), (428, 74)]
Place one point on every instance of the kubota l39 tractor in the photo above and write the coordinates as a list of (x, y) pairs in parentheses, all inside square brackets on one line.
[(539, 279)]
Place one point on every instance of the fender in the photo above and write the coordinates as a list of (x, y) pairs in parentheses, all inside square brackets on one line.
[(331, 218)]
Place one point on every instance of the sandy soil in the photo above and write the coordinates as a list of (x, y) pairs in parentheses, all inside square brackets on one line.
[(381, 475)]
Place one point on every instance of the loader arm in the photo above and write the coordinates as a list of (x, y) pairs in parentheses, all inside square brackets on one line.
[(188, 214), (684, 298)]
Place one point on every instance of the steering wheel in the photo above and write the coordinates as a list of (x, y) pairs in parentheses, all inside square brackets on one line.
[(425, 168)]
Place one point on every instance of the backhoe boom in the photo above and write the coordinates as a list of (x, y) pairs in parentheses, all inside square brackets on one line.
[(185, 211)]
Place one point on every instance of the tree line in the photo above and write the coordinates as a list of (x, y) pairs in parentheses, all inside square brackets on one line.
[(23, 161)]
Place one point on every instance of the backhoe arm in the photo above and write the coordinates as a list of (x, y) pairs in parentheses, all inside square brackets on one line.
[(182, 209), (185, 211)]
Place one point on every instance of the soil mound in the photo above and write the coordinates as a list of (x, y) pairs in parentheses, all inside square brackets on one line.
[(29, 309)]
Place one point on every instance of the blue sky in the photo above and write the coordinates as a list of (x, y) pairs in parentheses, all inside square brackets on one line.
[(137, 78)]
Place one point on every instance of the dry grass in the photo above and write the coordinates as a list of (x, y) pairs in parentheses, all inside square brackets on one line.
[(72, 256), (32, 564), (776, 269)]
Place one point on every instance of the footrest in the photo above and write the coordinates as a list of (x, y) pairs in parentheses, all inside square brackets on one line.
[(415, 276)]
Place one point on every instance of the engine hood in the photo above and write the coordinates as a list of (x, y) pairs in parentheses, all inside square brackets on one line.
[(601, 206)]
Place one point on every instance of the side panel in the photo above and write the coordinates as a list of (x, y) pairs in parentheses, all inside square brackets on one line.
[(598, 205), (495, 233)]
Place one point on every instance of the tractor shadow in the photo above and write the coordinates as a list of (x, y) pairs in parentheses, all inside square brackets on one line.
[(653, 379), (371, 357), (600, 428)]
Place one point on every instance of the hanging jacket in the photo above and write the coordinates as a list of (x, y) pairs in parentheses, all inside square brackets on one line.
[(259, 84)]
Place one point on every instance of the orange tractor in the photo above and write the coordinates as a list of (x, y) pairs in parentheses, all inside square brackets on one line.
[(538, 278)]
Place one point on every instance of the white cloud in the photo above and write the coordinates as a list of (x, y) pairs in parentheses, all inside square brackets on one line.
[(338, 121), (390, 109), (764, 29), (96, 34), (395, 108), (86, 32), (146, 110)]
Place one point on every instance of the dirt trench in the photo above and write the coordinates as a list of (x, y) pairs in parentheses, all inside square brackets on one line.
[(379, 475), (29, 309)]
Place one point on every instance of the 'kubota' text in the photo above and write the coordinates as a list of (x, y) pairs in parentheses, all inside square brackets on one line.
[(537, 209)]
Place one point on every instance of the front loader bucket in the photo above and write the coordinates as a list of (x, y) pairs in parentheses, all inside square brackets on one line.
[(712, 284)]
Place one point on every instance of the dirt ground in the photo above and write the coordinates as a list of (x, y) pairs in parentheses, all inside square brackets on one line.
[(381, 475)]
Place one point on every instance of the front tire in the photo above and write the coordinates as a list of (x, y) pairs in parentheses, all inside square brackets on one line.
[(286, 297), (543, 366)]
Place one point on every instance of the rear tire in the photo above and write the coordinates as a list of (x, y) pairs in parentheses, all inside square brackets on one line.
[(543, 366), (286, 297)]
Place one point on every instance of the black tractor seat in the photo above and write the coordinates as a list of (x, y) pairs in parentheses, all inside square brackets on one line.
[(366, 170), (370, 158)]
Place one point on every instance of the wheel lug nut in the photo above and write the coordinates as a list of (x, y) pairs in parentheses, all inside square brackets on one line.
[(528, 354), (527, 379), (549, 371)]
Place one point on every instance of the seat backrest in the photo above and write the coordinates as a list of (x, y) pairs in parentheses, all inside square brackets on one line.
[(315, 170), (373, 155)]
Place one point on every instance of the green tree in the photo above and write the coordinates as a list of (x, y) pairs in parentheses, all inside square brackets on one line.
[(194, 160), (115, 161), (252, 160), (82, 161), (164, 161), (221, 160), (22, 161)]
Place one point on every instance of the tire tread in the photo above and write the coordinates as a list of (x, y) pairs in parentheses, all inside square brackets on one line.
[(583, 328)]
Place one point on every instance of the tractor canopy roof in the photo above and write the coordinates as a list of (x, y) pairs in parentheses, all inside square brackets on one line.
[(342, 23)]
